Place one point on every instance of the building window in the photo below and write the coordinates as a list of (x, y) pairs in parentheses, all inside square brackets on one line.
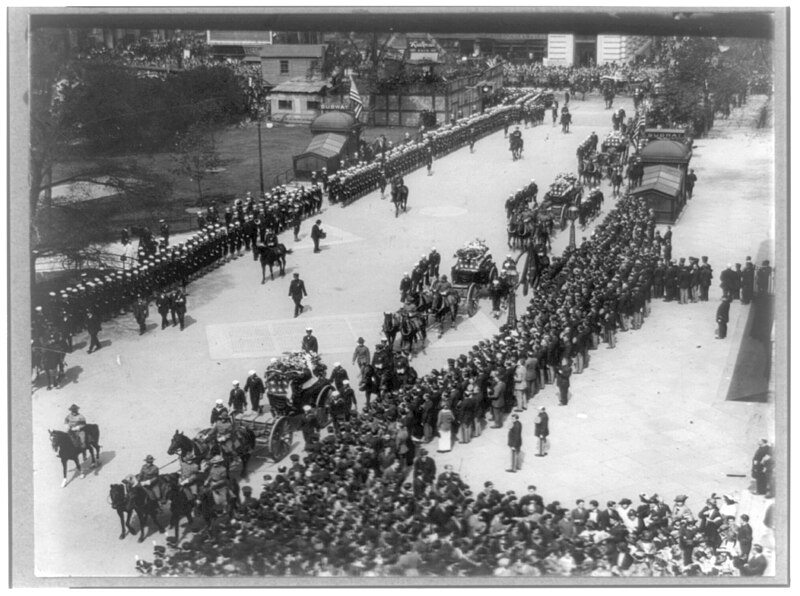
[(312, 105), (285, 104), (284, 67)]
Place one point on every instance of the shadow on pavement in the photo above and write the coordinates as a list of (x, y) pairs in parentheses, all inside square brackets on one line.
[(104, 458), (188, 321), (751, 374), (71, 375)]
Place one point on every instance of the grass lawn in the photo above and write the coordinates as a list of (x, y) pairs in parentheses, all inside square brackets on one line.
[(238, 148)]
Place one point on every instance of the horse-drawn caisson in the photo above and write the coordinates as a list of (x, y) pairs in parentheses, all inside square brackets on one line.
[(472, 276), (295, 381), (565, 192)]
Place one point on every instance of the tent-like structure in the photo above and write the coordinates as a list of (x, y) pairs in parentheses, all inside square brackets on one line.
[(335, 136), (662, 189), (666, 152), (324, 150)]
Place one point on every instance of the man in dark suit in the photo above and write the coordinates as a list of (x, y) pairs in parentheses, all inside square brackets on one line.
[(757, 564), (744, 536), (498, 399), (316, 234), (515, 443), (425, 466), (723, 315), (297, 289), (748, 281), (541, 429), (93, 327), (563, 374), (605, 516)]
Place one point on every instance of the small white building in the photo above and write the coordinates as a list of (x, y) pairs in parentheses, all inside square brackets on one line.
[(297, 101)]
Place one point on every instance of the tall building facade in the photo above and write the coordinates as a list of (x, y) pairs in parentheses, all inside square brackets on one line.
[(566, 49)]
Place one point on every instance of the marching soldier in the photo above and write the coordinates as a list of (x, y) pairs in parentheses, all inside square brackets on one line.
[(309, 343), (178, 307), (405, 287), (237, 400), (255, 386), (141, 311), (361, 354), (434, 259)]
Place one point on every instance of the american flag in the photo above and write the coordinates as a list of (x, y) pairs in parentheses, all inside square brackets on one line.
[(356, 98)]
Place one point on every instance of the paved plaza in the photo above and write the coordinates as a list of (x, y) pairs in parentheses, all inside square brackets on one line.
[(650, 416)]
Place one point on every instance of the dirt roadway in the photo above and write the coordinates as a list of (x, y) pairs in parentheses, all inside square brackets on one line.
[(141, 389)]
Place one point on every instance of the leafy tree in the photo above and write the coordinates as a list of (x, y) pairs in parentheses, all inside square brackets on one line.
[(196, 156)]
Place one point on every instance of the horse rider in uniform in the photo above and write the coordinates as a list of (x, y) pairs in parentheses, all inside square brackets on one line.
[(443, 288), (217, 473), (223, 430), (76, 423), (271, 239), (147, 477), (190, 474)]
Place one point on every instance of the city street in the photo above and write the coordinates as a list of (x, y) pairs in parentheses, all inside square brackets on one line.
[(650, 416)]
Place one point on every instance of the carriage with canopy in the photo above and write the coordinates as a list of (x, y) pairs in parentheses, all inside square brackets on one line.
[(566, 191), (472, 274), (294, 380)]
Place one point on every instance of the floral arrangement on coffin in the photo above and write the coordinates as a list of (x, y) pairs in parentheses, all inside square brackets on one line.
[(471, 253)]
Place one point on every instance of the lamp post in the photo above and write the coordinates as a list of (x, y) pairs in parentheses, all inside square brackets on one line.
[(572, 213)]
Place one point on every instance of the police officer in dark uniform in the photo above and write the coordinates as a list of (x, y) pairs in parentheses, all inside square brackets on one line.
[(297, 290)]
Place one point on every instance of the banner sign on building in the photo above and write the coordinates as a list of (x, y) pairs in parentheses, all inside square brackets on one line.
[(671, 134)]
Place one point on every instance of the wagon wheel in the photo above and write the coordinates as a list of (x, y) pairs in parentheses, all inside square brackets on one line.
[(280, 438), (472, 298), (322, 412)]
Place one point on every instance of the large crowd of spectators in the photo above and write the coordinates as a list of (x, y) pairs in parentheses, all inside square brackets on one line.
[(585, 78), (175, 54), (368, 500)]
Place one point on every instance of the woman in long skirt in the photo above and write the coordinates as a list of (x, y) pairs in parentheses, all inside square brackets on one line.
[(444, 424)]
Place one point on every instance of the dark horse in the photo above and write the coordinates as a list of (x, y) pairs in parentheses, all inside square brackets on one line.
[(413, 328), (127, 498), (271, 256), (243, 443), (391, 326), (181, 504), (181, 444), (66, 449), (447, 304)]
